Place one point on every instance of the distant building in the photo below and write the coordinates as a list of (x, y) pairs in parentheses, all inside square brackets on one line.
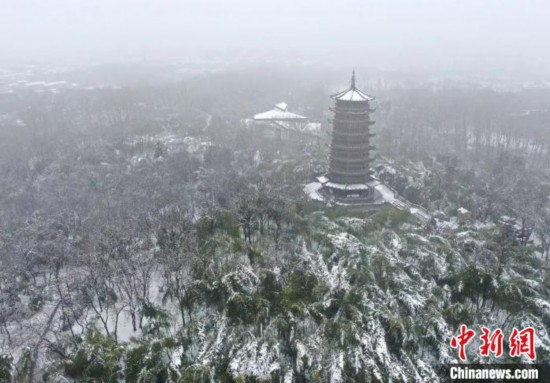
[(280, 113), (279, 122)]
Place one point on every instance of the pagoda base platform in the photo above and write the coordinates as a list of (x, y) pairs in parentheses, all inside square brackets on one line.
[(372, 194), (367, 193)]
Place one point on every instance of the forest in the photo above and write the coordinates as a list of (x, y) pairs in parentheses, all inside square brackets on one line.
[(148, 235)]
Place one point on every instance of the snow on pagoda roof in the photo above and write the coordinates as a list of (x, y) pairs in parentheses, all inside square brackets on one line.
[(324, 180), (335, 185), (352, 94), (279, 112)]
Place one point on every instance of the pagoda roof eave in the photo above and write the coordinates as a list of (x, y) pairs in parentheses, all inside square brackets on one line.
[(352, 94)]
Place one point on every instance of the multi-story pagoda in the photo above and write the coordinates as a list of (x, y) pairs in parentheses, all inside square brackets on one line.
[(349, 177)]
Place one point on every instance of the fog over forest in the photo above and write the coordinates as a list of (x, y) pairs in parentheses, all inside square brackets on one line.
[(289, 191), (502, 37)]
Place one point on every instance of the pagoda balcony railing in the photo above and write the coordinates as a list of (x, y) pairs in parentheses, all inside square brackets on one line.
[(364, 159), (344, 160), (350, 146), (341, 174), (349, 171), (345, 147), (352, 149), (336, 168), (350, 117), (350, 165), (343, 121), (349, 141), (361, 131), (357, 133), (351, 111), (359, 158), (353, 105)]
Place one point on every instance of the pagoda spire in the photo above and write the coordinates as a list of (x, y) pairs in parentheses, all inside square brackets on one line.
[(352, 93)]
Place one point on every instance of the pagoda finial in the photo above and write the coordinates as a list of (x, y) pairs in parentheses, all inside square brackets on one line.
[(353, 79)]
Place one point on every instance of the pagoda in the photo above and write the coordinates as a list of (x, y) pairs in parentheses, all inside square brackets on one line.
[(349, 176)]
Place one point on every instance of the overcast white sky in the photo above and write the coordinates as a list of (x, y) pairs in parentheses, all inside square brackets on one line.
[(394, 32)]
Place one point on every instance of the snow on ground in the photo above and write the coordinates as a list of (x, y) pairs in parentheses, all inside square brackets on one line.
[(313, 191), (386, 192)]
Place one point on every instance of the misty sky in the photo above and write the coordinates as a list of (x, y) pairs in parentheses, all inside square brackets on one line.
[(399, 32)]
